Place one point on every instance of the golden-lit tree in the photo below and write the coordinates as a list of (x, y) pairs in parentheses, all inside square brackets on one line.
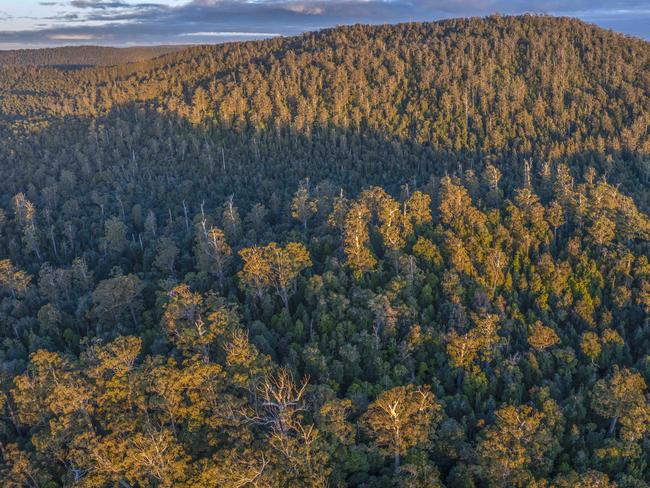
[(12, 279), (516, 444), (418, 208), (401, 418), (479, 344), (394, 225), (622, 398), (590, 345), (542, 337), (355, 239), (273, 266)]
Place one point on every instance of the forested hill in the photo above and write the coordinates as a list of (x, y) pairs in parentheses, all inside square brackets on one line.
[(512, 88), (82, 56), (372, 256)]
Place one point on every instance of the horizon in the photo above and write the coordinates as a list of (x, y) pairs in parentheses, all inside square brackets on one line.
[(37, 24)]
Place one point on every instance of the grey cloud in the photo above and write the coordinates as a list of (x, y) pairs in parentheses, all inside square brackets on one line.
[(111, 5), (98, 4)]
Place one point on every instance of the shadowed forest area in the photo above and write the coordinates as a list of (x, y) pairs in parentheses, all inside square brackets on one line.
[(372, 256)]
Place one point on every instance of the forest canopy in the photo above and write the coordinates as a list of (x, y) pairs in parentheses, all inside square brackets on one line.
[(82, 56), (371, 256)]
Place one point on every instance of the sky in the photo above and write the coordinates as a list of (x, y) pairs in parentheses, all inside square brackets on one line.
[(46, 23)]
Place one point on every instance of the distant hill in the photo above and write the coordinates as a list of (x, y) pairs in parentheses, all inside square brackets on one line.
[(82, 55)]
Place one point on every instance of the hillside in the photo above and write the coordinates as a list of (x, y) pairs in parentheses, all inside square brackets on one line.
[(536, 88), (82, 56), (410, 255)]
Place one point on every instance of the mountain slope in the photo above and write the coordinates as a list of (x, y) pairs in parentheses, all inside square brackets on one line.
[(505, 89)]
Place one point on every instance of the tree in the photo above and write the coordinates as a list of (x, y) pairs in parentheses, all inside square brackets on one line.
[(24, 210), (419, 472), (116, 296), (337, 217), (454, 204), (115, 235), (355, 239), (588, 479), (286, 265), (418, 208), (515, 445), (303, 207), (257, 217), (18, 469), (555, 217), (427, 251), (281, 411), (52, 391), (491, 176), (25, 217), (12, 279), (542, 337), (602, 230), (212, 250), (590, 345), (193, 322), (155, 456), (150, 225), (255, 277), (527, 219), (496, 263), (401, 418), (166, 256), (273, 266), (231, 221), (395, 225), (462, 349), (55, 283), (622, 398), (200, 105), (479, 343)]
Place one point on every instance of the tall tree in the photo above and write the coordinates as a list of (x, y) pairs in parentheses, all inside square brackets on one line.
[(12, 279), (401, 418), (622, 398), (273, 266)]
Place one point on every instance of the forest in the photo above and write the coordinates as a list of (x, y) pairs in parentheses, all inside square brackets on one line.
[(82, 56), (411, 255)]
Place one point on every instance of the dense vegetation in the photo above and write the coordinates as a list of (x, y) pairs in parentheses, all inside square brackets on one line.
[(411, 255), (80, 56)]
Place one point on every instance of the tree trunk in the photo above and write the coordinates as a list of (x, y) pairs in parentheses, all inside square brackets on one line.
[(284, 295), (135, 322), (612, 426), (459, 379), (398, 443)]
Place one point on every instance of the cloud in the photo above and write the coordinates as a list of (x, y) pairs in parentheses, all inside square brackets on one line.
[(304, 9), (72, 37), (177, 21), (230, 34), (98, 4)]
